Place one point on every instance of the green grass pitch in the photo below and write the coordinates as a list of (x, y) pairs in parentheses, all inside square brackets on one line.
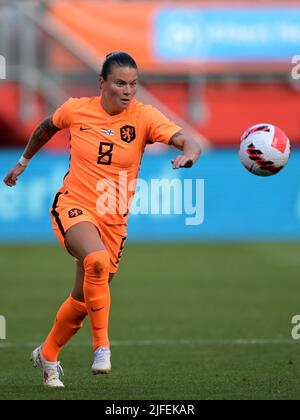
[(178, 313)]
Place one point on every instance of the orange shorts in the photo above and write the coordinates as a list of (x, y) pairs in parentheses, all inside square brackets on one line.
[(113, 236)]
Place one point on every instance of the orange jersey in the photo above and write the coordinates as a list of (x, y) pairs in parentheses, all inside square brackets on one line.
[(106, 149)]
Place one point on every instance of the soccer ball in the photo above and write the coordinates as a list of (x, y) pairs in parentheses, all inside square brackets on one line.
[(264, 149)]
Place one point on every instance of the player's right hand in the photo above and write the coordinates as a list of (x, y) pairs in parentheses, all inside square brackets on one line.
[(12, 177)]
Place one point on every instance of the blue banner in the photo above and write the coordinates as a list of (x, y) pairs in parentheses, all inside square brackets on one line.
[(215, 200), (227, 34)]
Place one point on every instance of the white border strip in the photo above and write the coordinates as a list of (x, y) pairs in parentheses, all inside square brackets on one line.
[(2, 68), (158, 342)]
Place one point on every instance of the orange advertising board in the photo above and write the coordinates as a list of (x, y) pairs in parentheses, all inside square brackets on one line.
[(111, 26)]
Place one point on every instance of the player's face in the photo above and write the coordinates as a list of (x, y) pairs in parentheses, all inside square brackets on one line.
[(119, 89)]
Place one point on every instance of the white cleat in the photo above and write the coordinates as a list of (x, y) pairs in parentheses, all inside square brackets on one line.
[(102, 361), (51, 371)]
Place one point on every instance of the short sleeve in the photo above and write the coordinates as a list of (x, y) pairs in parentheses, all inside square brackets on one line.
[(62, 117), (160, 128)]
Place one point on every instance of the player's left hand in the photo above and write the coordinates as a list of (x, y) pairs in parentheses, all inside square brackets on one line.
[(183, 161), (11, 178)]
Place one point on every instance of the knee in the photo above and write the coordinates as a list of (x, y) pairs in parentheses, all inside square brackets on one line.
[(97, 264)]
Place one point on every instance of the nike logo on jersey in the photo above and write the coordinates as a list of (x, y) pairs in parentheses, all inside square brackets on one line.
[(96, 310), (108, 132), (84, 129)]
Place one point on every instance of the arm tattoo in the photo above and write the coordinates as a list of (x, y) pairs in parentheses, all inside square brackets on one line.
[(42, 134), (172, 139)]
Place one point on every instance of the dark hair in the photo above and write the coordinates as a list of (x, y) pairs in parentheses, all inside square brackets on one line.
[(120, 59)]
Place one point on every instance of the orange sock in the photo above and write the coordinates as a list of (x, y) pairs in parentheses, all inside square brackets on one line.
[(97, 295), (69, 320)]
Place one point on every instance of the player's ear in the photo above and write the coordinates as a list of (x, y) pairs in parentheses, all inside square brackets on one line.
[(101, 82)]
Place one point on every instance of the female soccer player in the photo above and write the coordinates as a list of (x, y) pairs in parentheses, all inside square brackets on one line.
[(108, 137)]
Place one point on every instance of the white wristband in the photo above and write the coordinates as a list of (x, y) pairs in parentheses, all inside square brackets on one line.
[(23, 161)]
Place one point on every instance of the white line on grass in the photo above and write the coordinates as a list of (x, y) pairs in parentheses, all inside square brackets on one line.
[(161, 342)]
